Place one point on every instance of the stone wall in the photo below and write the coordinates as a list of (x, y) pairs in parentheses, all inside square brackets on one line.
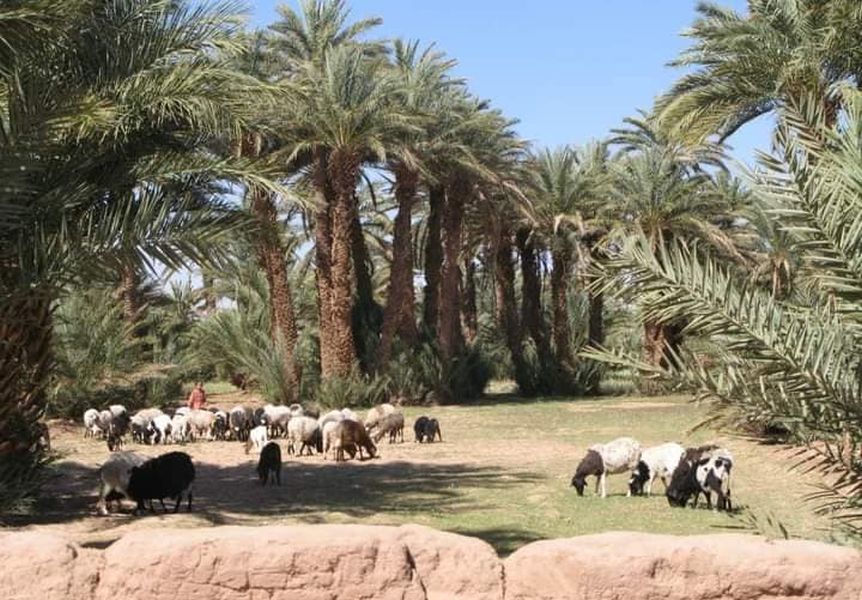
[(411, 562)]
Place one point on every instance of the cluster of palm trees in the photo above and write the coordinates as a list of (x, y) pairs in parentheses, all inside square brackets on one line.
[(157, 135)]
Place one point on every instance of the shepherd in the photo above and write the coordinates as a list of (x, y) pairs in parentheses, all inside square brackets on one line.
[(197, 397)]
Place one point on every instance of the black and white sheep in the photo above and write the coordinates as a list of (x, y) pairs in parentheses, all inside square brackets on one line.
[(657, 462), (167, 476), (617, 456), (114, 478), (269, 463), (702, 470)]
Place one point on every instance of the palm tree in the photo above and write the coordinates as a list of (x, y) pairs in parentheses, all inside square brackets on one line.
[(749, 65), (661, 190), (343, 115), (424, 79), (304, 43), (104, 111), (567, 187)]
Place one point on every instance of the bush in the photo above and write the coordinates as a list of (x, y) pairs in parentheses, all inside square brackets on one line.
[(356, 390)]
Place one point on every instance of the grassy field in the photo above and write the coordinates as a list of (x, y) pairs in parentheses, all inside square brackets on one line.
[(502, 473)]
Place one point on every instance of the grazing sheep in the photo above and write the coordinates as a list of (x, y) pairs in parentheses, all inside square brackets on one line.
[(327, 433), (426, 429), (656, 462), (114, 478), (140, 424), (91, 423), (220, 427), (296, 410), (269, 462), (160, 429), (181, 430), (257, 437), (240, 420), (705, 469), (350, 436), (278, 418), (617, 456), (393, 425), (201, 423), (372, 418), (305, 432), (167, 476)]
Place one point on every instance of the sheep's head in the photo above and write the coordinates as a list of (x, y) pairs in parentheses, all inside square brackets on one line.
[(579, 483), (639, 477)]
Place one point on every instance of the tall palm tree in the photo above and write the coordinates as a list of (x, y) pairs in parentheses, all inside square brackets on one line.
[(303, 42), (567, 187), (749, 65), (661, 189), (424, 79), (343, 115)]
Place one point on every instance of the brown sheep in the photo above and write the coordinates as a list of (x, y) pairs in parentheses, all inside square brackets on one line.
[(350, 436)]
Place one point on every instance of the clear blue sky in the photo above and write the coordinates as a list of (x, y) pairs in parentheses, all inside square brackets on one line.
[(569, 70)]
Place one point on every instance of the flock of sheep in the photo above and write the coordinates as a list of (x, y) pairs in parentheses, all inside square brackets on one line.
[(685, 472), (338, 433)]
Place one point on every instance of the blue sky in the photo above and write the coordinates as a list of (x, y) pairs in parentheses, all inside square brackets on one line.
[(569, 70)]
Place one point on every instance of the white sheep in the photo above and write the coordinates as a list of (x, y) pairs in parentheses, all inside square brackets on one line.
[(331, 416), (302, 432), (617, 456), (180, 429), (257, 437), (328, 432), (91, 423), (201, 423), (656, 462), (114, 476), (277, 418)]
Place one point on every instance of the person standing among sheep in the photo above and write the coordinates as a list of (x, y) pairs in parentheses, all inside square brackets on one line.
[(197, 397)]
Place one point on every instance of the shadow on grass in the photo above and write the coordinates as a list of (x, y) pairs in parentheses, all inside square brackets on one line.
[(312, 491), (503, 540)]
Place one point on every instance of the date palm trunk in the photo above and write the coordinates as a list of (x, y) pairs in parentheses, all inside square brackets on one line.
[(398, 316), (271, 257), (469, 311), (366, 317), (433, 258), (25, 369), (343, 170), (449, 335), (561, 331), (531, 301), (323, 261), (507, 307)]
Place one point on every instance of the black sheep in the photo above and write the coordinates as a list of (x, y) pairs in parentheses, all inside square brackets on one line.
[(419, 428), (591, 464), (166, 476), (427, 429), (269, 462)]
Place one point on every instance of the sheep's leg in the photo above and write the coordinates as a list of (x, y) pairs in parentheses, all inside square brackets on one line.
[(604, 485), (278, 476), (162, 502), (189, 505), (649, 487), (101, 507), (177, 505), (708, 500)]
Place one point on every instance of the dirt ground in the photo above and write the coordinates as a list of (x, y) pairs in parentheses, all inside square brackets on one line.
[(502, 473)]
